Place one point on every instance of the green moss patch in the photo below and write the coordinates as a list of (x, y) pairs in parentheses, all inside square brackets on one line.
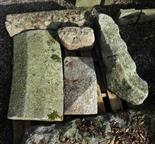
[(56, 58), (54, 115)]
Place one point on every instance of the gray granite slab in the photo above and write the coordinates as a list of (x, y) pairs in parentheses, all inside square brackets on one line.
[(80, 86), (16, 23), (37, 85)]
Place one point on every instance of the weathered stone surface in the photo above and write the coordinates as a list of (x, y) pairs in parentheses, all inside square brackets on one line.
[(107, 2), (37, 85), (122, 78), (130, 16), (59, 2), (16, 23), (86, 3), (73, 38), (71, 132), (104, 129), (80, 86)]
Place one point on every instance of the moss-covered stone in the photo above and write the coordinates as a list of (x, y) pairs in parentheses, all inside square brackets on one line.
[(37, 86), (86, 3), (16, 23), (53, 116), (56, 58)]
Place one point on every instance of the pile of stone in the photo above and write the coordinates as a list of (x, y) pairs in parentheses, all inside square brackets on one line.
[(47, 83)]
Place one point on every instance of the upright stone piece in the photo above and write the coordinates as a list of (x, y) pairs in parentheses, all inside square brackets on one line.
[(37, 85), (73, 38), (122, 78), (86, 3), (80, 86)]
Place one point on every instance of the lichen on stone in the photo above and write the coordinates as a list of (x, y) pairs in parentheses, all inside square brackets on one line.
[(54, 115), (51, 41), (56, 58)]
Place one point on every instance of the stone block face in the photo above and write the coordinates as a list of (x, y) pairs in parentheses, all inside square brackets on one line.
[(122, 78), (80, 86), (16, 23), (86, 3), (130, 16), (73, 38), (37, 85)]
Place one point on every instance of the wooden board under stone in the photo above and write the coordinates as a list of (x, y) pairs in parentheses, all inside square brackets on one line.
[(80, 86), (101, 106), (37, 85), (115, 101)]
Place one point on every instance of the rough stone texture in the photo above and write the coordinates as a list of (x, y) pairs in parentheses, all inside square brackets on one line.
[(60, 2), (71, 132), (80, 86), (121, 75), (73, 38), (130, 16), (16, 23), (86, 3), (128, 127), (107, 2), (37, 85)]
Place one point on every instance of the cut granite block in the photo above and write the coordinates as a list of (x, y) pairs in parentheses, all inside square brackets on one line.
[(37, 85), (16, 23), (80, 86), (86, 3), (74, 38)]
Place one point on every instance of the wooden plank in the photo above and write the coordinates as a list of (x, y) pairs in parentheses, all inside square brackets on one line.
[(101, 106), (115, 101)]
